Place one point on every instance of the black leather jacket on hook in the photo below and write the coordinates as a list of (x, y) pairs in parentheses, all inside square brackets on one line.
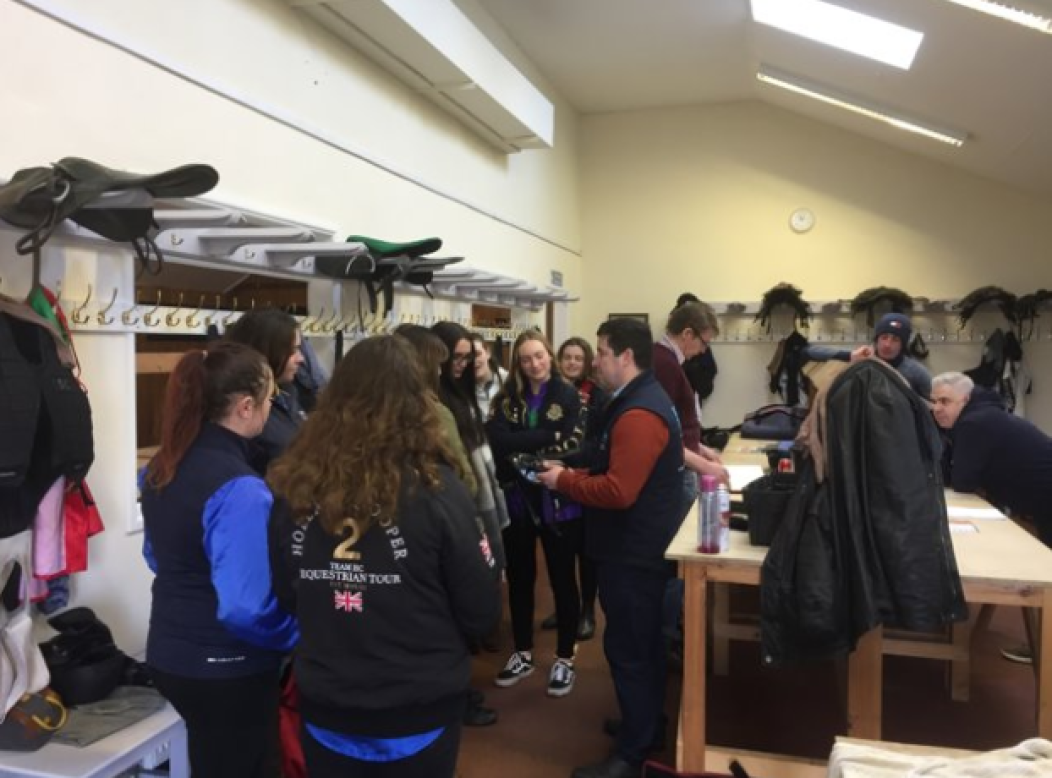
[(871, 544)]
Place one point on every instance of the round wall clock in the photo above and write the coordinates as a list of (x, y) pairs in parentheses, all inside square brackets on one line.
[(801, 220)]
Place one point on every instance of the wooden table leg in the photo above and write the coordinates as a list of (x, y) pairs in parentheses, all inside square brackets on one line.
[(1043, 663), (690, 752), (865, 683), (1032, 622), (961, 665), (721, 618)]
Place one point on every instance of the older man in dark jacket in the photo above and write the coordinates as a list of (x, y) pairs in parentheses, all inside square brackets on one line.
[(989, 450)]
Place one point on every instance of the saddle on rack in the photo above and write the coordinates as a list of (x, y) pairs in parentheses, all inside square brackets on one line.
[(116, 204), (392, 262)]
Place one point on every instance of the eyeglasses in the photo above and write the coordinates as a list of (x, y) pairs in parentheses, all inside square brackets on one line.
[(461, 359), (705, 336)]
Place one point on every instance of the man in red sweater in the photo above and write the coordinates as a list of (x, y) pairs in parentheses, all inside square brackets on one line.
[(633, 509)]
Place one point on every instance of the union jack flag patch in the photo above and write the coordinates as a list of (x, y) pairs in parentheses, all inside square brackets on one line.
[(350, 602)]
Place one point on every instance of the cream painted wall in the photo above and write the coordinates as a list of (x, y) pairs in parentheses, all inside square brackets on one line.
[(88, 98), (699, 200)]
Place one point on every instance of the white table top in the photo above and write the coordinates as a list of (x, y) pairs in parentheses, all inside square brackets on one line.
[(104, 758), (999, 551)]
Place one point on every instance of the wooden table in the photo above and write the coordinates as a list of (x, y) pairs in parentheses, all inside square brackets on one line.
[(1000, 564)]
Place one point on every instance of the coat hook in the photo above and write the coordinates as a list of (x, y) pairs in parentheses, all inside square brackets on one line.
[(191, 320), (229, 317), (78, 315), (171, 319), (313, 326), (148, 317), (126, 316), (102, 317), (212, 315)]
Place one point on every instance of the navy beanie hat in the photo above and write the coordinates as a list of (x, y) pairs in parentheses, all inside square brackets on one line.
[(896, 324)]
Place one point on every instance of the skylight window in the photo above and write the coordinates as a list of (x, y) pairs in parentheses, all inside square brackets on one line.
[(841, 28), (1010, 14)]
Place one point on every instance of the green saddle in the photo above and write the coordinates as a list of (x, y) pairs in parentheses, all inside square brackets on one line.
[(381, 249)]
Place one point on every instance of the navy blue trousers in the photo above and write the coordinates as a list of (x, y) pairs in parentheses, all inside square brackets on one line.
[(635, 650)]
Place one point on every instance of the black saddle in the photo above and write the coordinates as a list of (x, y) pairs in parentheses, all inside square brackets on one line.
[(109, 202)]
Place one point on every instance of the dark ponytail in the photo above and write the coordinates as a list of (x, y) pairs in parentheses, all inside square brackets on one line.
[(201, 388)]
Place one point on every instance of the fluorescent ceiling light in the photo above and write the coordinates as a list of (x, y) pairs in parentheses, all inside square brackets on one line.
[(1006, 12), (831, 97), (851, 31)]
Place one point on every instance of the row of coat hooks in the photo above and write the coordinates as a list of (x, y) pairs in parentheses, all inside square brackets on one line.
[(181, 318), (847, 336)]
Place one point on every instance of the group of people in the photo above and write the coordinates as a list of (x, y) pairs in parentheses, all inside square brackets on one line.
[(367, 540)]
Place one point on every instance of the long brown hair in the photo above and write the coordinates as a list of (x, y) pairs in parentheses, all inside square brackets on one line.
[(516, 386), (589, 357), (270, 331), (430, 349), (202, 388), (375, 423), (458, 394)]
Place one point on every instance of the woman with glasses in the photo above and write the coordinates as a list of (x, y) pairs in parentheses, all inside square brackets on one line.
[(457, 393), (377, 547), (538, 414), (217, 634), (276, 335)]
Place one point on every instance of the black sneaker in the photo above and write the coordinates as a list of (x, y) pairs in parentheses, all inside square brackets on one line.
[(519, 666), (1021, 654), (561, 679), (479, 716)]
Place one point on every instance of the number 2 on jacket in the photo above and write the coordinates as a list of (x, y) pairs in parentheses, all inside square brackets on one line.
[(345, 546)]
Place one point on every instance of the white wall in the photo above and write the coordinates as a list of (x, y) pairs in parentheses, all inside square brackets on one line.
[(78, 96), (699, 200)]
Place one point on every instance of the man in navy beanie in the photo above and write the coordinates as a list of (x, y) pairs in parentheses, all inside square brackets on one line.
[(890, 338)]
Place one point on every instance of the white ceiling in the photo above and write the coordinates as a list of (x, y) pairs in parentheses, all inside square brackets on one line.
[(974, 73)]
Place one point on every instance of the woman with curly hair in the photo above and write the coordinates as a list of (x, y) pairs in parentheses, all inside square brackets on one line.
[(375, 544)]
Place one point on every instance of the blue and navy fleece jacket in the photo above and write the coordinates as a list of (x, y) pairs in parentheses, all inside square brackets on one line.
[(214, 614)]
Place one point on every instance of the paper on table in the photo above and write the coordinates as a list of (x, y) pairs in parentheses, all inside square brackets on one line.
[(974, 513), (742, 475)]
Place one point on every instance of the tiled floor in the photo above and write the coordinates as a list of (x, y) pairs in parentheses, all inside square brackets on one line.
[(797, 710)]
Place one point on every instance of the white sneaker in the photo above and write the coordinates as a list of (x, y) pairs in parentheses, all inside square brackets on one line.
[(519, 666), (561, 679)]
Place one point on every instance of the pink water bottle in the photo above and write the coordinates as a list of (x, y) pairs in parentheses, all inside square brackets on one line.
[(709, 517)]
